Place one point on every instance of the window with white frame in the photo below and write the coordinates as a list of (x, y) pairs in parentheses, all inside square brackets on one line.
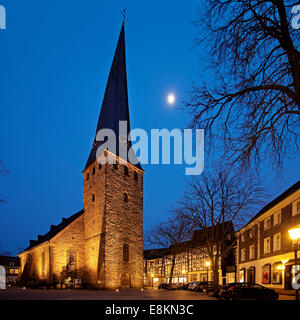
[(296, 207), (267, 245), (277, 241), (277, 217), (243, 254), (267, 223), (251, 251)]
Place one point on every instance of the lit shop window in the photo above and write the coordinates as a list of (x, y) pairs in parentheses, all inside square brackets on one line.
[(266, 275)]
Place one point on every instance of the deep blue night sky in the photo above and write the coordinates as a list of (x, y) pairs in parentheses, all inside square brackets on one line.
[(55, 58)]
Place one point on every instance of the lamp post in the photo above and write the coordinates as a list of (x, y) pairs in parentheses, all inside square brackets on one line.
[(295, 236), (207, 264)]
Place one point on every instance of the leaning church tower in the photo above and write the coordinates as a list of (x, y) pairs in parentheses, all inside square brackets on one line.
[(113, 195)]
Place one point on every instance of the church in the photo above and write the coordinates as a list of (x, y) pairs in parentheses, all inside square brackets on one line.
[(103, 243)]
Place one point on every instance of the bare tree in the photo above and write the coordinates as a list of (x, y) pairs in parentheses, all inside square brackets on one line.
[(213, 203), (171, 235), (252, 103)]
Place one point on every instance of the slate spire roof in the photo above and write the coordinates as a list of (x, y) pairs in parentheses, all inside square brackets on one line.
[(115, 101)]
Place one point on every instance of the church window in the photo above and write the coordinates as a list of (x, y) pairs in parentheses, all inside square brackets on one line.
[(93, 197), (87, 176), (126, 171), (100, 166), (125, 252), (125, 197), (93, 172), (135, 176), (115, 165), (71, 260)]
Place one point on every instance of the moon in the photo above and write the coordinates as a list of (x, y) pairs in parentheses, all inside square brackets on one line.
[(171, 98)]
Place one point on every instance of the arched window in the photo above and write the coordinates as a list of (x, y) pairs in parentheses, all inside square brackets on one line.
[(71, 260), (126, 171), (93, 172), (100, 166), (93, 197), (136, 176), (125, 252), (115, 165), (125, 197), (87, 176)]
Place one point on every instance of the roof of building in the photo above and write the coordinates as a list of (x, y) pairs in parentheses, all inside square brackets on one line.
[(54, 230), (115, 106), (7, 261), (198, 238), (155, 253), (277, 200)]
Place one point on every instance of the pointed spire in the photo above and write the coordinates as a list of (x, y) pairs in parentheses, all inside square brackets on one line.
[(115, 102)]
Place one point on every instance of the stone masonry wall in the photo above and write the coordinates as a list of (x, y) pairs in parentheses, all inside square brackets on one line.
[(70, 238), (93, 202), (124, 224)]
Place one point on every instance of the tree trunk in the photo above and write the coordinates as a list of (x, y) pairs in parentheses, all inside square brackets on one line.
[(171, 273), (216, 276)]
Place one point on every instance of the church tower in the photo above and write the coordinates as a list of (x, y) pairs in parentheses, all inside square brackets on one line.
[(113, 195)]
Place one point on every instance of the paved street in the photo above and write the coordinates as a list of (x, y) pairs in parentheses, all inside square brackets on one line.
[(131, 294)]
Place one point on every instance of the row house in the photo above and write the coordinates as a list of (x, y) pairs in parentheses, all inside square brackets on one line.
[(11, 266), (265, 252), (192, 264)]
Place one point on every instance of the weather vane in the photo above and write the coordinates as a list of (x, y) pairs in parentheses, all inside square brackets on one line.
[(123, 12)]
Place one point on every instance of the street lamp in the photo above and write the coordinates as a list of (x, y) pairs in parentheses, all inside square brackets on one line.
[(295, 236), (207, 264)]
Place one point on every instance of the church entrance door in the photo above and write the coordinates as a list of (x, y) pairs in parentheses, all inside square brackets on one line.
[(125, 280)]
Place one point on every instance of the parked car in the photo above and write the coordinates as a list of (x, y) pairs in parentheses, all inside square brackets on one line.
[(193, 284), (245, 290), (183, 286), (163, 286), (202, 285), (166, 286)]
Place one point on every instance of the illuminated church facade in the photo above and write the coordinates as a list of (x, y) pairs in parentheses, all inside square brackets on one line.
[(103, 243)]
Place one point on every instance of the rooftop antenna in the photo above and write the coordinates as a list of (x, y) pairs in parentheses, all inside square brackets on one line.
[(123, 13)]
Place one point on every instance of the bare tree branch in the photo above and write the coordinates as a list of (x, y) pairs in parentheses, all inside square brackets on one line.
[(253, 104), (171, 235), (215, 204)]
